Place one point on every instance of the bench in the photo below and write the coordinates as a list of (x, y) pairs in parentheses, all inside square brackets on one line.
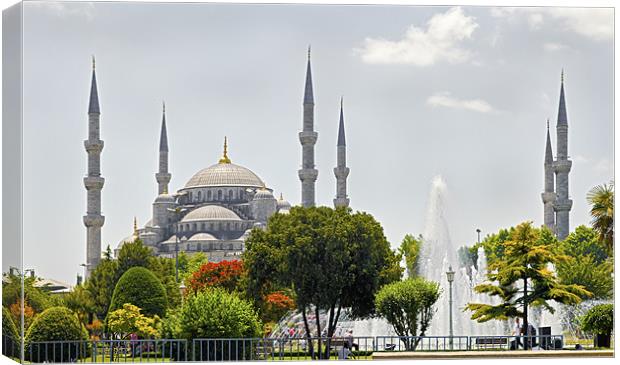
[(491, 340)]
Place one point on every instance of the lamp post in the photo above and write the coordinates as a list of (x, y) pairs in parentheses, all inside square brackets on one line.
[(176, 211), (478, 231), (450, 276)]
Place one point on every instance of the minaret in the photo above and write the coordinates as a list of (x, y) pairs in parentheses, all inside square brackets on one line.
[(93, 220), (341, 170), (548, 195), (562, 167), (307, 137), (163, 176)]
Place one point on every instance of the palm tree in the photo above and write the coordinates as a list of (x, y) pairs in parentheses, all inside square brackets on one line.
[(601, 198)]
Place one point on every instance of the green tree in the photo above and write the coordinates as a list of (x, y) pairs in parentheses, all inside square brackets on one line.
[(216, 313), (332, 259), (525, 260), (140, 287), (54, 324), (36, 298), (128, 320), (190, 264), (132, 254), (408, 307), (598, 320), (410, 250), (601, 199), (80, 301), (100, 285), (10, 343), (586, 263), (164, 269)]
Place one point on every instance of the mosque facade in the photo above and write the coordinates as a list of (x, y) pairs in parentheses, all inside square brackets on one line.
[(216, 209)]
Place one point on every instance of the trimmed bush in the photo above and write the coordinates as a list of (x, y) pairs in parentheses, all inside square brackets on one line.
[(140, 287), (599, 320), (216, 313), (56, 324)]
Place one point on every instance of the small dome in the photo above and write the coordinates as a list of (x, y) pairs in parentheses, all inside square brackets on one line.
[(282, 204), (263, 194), (210, 212), (172, 239), (202, 237), (165, 198), (224, 174), (126, 239)]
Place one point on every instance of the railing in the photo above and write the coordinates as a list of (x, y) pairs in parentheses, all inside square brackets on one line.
[(265, 349)]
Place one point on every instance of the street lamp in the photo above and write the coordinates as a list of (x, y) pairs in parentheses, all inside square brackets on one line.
[(478, 231), (450, 275)]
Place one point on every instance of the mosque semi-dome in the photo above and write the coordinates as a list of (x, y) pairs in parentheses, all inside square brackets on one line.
[(210, 212)]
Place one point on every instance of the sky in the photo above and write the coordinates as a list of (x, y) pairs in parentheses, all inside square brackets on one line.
[(461, 92)]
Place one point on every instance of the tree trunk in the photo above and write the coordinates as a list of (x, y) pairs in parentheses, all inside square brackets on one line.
[(526, 342), (308, 334), (318, 330)]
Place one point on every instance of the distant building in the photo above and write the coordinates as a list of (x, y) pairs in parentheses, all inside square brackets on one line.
[(216, 209)]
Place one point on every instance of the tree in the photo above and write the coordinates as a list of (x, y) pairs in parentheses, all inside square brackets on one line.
[(80, 301), (55, 324), (599, 320), (410, 250), (331, 258), (164, 269), (100, 285), (39, 300), (408, 307), (601, 199), (527, 254), (587, 263), (277, 304), (140, 287), (128, 320), (132, 254), (224, 274), (191, 264), (10, 333), (217, 313)]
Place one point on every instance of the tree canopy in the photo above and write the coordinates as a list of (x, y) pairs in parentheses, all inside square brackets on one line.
[(408, 306), (601, 200), (410, 250), (331, 258), (140, 287), (527, 255)]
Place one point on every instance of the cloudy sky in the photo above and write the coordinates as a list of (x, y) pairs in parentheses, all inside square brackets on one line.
[(461, 92)]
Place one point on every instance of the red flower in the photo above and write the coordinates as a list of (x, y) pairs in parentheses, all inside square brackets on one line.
[(224, 274)]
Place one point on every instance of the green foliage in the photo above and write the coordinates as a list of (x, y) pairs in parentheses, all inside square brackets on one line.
[(80, 301), (601, 199), (190, 264), (526, 256), (493, 245), (128, 320), (132, 254), (599, 320), (410, 250), (8, 325), (36, 298), (332, 259), (216, 313), (140, 287), (170, 325), (587, 263), (54, 324), (164, 269), (408, 307), (100, 285)]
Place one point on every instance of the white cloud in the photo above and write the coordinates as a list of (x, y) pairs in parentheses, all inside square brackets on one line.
[(553, 47), (424, 47), (444, 99), (594, 23), (85, 10), (603, 166)]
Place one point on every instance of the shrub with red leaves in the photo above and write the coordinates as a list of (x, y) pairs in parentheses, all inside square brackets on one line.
[(224, 274)]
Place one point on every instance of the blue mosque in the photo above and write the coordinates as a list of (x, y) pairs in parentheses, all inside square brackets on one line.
[(218, 206)]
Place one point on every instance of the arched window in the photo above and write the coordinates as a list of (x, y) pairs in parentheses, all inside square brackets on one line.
[(199, 195), (241, 194), (209, 195), (190, 196), (230, 195), (219, 195)]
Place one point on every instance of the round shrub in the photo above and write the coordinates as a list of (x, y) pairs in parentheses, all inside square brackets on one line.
[(53, 325), (216, 313), (140, 287), (599, 320)]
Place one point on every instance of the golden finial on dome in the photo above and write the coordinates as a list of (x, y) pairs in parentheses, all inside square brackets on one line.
[(225, 158), (135, 227), (93, 57)]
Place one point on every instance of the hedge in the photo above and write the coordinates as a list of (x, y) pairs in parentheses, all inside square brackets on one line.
[(140, 287)]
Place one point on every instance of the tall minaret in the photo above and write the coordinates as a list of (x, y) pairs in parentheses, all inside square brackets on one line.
[(307, 137), (341, 170), (93, 220), (548, 195), (163, 176), (562, 167)]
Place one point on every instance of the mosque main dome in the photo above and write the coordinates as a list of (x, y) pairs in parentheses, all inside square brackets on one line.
[(225, 174)]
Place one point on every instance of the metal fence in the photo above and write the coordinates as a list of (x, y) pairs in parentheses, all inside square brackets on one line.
[(266, 349)]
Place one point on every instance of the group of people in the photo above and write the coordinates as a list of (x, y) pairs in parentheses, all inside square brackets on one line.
[(528, 333)]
